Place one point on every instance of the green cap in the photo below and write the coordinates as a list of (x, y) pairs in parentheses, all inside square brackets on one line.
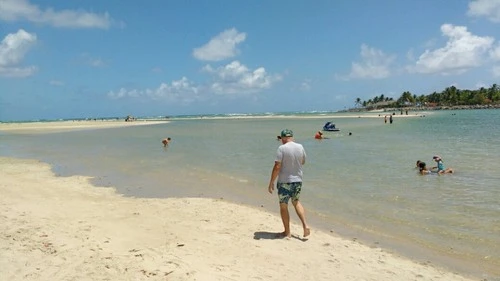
[(286, 133)]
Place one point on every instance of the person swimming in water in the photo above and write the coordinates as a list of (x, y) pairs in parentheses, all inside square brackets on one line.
[(318, 135), (423, 168)]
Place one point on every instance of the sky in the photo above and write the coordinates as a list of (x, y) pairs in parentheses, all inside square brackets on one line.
[(64, 59)]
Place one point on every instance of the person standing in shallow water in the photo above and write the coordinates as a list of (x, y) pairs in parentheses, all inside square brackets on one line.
[(287, 168), (166, 141)]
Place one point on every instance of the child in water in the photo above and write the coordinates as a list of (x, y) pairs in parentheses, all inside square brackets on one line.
[(440, 166)]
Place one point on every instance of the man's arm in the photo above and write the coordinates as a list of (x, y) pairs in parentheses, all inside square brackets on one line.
[(274, 175)]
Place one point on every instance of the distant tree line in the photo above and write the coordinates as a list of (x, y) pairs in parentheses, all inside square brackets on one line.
[(451, 96)]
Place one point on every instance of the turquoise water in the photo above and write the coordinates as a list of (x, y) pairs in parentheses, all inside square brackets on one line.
[(363, 186)]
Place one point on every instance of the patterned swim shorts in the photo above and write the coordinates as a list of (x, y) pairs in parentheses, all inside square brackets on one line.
[(289, 190)]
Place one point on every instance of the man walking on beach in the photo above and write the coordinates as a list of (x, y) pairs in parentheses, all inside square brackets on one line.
[(288, 170)]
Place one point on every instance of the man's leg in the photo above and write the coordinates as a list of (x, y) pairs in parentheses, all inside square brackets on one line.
[(302, 216), (285, 217)]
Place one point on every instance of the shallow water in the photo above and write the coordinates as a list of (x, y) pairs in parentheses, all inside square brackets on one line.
[(364, 186)]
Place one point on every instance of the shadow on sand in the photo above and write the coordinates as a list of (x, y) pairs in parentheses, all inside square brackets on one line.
[(274, 235)]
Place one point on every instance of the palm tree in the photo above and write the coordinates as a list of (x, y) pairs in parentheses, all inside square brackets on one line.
[(357, 102), (406, 97), (493, 93)]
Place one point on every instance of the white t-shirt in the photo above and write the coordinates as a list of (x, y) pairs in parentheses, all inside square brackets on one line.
[(291, 155)]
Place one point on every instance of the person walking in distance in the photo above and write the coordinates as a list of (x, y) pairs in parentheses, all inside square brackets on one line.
[(287, 169)]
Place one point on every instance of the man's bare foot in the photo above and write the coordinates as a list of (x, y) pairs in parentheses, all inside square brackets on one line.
[(283, 235), (307, 231)]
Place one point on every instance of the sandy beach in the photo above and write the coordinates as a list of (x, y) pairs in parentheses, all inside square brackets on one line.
[(60, 126), (63, 228)]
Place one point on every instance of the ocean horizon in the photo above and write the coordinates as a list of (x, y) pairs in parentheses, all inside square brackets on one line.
[(362, 186), (196, 116)]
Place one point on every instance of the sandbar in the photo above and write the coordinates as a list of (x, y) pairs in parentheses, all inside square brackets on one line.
[(61, 126)]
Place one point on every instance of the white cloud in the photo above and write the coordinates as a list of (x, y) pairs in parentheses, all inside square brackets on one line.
[(480, 85), (485, 8), (495, 53), (235, 78), (13, 48), (220, 47), (232, 79), (181, 91), (14, 10), (462, 51), (375, 64), (18, 72), (410, 56)]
